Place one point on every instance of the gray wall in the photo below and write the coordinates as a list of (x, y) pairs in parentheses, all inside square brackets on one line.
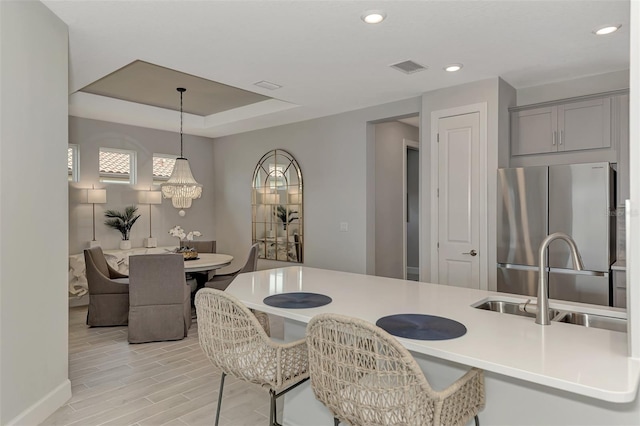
[(91, 135), (577, 87), (336, 155), (389, 186), (33, 213)]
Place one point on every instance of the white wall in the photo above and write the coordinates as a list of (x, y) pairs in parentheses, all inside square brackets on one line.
[(33, 213), (576, 87), (91, 135), (335, 156), (485, 91), (389, 198), (633, 243)]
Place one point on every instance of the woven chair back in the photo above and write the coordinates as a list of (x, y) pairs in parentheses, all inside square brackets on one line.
[(232, 338), (364, 376)]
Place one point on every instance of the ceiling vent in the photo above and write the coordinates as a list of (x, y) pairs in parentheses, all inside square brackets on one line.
[(408, 67), (267, 85)]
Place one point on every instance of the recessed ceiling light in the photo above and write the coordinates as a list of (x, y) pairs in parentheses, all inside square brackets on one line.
[(373, 16), (607, 30), (453, 67)]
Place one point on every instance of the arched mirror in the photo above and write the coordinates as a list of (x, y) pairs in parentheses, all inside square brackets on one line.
[(277, 207)]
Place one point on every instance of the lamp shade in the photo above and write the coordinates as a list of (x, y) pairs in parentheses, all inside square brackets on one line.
[(150, 197), (96, 196)]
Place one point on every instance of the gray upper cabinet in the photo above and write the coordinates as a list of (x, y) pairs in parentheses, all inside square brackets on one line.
[(570, 126), (584, 125), (534, 131)]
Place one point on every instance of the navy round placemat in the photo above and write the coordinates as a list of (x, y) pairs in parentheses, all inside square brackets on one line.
[(297, 300), (421, 327)]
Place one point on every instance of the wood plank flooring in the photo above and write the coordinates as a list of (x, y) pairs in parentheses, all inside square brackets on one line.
[(163, 383)]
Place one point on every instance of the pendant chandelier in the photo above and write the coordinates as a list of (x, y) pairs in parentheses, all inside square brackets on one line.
[(181, 187)]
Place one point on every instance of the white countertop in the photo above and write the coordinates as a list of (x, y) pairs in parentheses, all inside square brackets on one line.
[(585, 361)]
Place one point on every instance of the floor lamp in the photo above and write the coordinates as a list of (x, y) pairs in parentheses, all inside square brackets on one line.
[(95, 196), (150, 197)]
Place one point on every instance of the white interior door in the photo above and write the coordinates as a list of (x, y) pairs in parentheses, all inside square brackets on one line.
[(458, 200)]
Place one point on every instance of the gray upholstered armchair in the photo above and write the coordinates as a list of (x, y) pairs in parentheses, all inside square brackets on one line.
[(160, 299), (108, 291), (222, 281), (200, 246)]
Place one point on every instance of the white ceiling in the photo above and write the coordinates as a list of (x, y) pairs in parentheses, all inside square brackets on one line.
[(327, 60)]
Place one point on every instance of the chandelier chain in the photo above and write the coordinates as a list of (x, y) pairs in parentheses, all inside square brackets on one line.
[(181, 115)]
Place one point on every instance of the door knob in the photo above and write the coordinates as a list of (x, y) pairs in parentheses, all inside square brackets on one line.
[(472, 253)]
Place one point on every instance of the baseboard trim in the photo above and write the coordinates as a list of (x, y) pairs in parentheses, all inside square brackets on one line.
[(46, 406)]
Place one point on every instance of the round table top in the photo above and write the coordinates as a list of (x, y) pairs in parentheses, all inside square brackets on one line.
[(207, 262)]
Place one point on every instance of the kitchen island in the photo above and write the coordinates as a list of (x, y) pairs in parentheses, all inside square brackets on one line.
[(557, 374)]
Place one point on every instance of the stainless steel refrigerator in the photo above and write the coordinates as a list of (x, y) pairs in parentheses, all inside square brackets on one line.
[(577, 199)]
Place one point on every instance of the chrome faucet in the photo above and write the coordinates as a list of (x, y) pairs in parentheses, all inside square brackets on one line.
[(541, 308)]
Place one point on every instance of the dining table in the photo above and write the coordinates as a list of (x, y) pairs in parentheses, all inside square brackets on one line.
[(206, 262)]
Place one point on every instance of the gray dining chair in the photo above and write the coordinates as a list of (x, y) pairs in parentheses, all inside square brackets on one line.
[(222, 281), (108, 291), (197, 279), (160, 299), (200, 246), (235, 342), (366, 377)]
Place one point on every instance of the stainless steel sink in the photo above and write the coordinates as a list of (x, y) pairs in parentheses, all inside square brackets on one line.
[(593, 320), (505, 307), (577, 318)]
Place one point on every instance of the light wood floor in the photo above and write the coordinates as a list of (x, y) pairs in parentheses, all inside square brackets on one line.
[(164, 383)]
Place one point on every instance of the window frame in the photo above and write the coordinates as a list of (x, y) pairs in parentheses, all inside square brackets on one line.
[(118, 178), (73, 175), (157, 180)]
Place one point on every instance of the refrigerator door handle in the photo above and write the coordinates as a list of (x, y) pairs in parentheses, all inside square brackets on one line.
[(574, 272), (518, 267)]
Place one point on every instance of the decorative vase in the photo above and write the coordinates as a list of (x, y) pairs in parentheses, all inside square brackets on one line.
[(125, 244)]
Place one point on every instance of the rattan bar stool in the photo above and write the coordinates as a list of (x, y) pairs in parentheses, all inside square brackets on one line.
[(366, 377), (233, 339)]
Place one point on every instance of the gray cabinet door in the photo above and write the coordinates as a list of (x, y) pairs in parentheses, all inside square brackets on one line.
[(533, 131), (584, 125)]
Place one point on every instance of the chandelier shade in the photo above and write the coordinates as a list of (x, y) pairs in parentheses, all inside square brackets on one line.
[(181, 187)]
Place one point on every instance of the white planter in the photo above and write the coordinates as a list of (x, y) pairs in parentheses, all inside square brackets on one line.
[(125, 244)]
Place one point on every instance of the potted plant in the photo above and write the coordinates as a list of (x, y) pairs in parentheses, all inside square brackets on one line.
[(285, 218), (122, 221)]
